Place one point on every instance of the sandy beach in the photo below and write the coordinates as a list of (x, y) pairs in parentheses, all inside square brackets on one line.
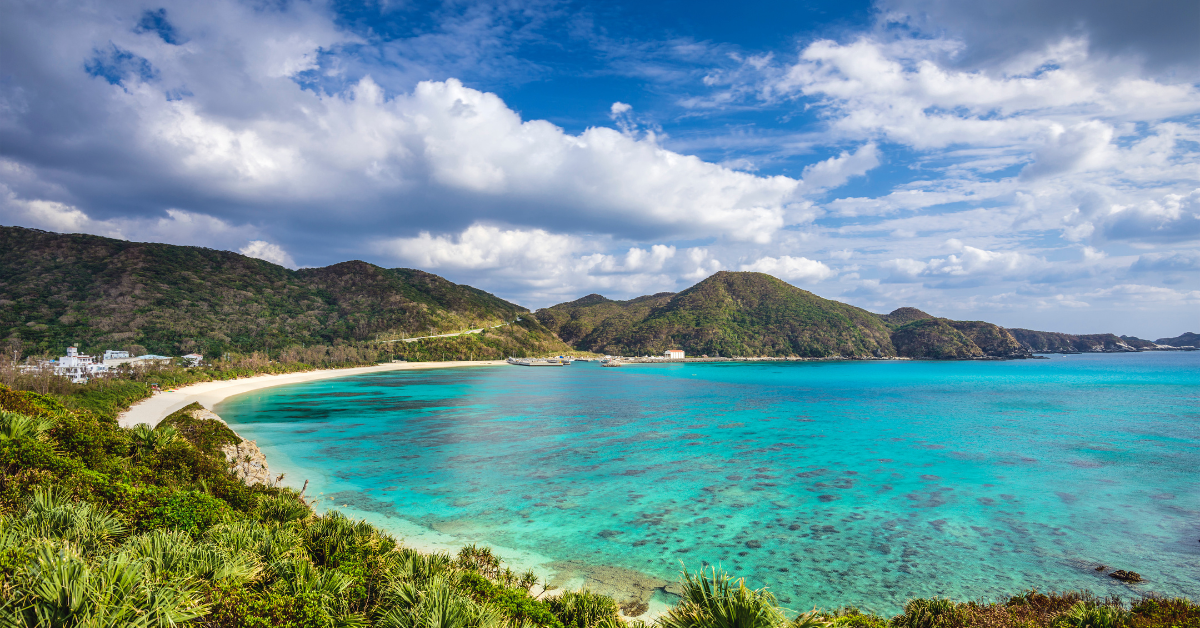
[(151, 411)]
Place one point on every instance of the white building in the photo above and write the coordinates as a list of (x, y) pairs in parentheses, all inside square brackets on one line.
[(193, 359), (115, 355), (674, 354), (78, 368)]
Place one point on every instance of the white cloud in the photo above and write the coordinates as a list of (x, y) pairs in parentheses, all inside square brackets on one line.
[(261, 249), (1081, 146), (970, 262), (483, 247), (1175, 218), (791, 268), (175, 226), (835, 171), (1169, 261), (550, 267)]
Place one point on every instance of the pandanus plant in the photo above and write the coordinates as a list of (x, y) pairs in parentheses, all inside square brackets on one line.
[(266, 543), (16, 426), (480, 559), (60, 588), (172, 554), (713, 599), (434, 604), (331, 536), (299, 578), (1085, 615), (51, 514), (584, 609), (146, 439), (281, 508)]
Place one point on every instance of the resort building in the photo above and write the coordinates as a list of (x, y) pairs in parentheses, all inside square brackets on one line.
[(674, 354), (193, 359), (115, 355), (78, 368)]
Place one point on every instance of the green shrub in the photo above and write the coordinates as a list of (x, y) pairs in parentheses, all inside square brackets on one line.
[(234, 606), (208, 435), (716, 599), (281, 508), (1161, 611), (583, 609), (930, 613), (851, 617), (190, 511), (516, 605), (1085, 615)]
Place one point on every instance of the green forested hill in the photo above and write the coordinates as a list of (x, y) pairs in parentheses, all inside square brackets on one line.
[(730, 313), (103, 293), (748, 314), (1050, 342)]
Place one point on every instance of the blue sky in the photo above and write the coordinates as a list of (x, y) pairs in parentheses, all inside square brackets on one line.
[(1031, 163)]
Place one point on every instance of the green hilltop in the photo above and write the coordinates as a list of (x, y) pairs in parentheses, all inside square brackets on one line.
[(102, 293), (754, 314)]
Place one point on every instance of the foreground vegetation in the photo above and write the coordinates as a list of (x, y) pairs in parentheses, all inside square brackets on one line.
[(102, 526)]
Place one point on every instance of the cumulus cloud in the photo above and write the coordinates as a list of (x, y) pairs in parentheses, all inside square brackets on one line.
[(1160, 33), (1174, 218), (550, 267), (970, 266), (220, 117), (289, 128), (1068, 149), (835, 171), (173, 226), (1170, 261), (790, 268), (261, 249)]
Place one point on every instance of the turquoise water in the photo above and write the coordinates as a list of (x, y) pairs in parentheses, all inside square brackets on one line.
[(832, 483)]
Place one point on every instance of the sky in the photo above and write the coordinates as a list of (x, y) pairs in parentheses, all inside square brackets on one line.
[(1033, 163)]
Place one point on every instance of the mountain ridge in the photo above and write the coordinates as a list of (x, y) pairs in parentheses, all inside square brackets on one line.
[(100, 293)]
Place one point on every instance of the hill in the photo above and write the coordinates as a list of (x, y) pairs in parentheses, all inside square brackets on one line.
[(748, 314), (1053, 342), (102, 293), (730, 313), (1187, 339)]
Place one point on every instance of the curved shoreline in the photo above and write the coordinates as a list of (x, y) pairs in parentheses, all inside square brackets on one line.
[(156, 408)]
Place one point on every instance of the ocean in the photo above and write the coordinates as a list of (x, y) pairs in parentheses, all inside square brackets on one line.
[(831, 483)]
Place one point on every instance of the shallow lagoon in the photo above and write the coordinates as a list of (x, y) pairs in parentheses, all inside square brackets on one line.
[(832, 483)]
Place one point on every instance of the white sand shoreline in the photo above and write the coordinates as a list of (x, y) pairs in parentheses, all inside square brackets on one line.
[(208, 394)]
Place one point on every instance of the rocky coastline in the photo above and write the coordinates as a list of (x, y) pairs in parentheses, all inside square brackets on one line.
[(246, 460)]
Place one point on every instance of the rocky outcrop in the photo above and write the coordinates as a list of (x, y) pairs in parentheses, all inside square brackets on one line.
[(993, 340), (246, 460)]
